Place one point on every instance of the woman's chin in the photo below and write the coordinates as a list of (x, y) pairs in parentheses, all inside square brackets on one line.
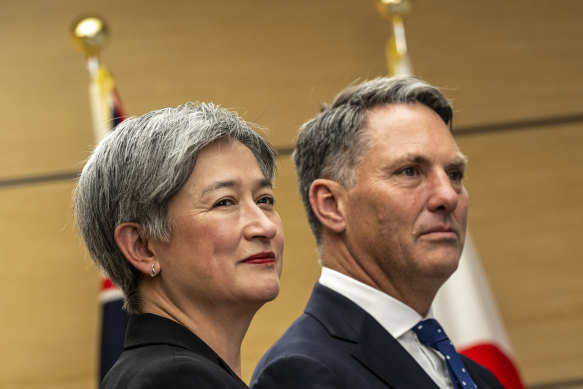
[(270, 292), (264, 292)]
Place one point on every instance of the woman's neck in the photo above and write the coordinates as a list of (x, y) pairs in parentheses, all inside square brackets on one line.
[(221, 328)]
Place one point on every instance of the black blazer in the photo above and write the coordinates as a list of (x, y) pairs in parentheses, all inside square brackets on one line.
[(336, 344), (160, 353)]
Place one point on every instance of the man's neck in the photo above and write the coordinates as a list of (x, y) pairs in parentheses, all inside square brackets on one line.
[(414, 292)]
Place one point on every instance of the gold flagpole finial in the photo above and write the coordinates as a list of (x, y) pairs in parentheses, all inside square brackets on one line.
[(89, 35), (394, 11), (390, 8)]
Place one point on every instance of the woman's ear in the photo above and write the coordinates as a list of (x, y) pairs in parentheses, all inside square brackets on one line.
[(326, 201), (134, 246)]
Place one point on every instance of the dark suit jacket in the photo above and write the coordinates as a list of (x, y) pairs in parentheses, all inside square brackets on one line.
[(160, 353), (336, 344)]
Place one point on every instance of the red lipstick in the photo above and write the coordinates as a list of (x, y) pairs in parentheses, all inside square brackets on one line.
[(261, 258)]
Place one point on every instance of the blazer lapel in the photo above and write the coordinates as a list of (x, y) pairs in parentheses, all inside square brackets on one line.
[(385, 357), (374, 347), (482, 377)]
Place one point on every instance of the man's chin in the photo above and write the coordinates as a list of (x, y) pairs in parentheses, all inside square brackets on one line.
[(443, 266)]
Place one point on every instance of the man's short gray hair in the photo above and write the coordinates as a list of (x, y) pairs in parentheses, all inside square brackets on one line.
[(331, 144), (138, 167)]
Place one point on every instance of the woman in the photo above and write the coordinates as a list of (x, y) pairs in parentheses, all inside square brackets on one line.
[(176, 207)]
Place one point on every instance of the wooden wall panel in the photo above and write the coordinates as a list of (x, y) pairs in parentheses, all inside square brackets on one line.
[(526, 218), (500, 60), (48, 292)]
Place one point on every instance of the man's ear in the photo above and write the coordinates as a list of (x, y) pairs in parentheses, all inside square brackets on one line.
[(134, 246), (326, 198)]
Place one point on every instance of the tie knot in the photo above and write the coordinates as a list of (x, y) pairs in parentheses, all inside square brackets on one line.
[(430, 332)]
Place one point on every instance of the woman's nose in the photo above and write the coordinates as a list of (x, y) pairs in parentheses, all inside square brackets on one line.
[(259, 224)]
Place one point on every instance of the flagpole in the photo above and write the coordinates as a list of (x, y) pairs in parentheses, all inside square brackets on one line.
[(90, 35), (396, 52)]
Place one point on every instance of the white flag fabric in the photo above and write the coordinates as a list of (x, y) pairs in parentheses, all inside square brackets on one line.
[(107, 112)]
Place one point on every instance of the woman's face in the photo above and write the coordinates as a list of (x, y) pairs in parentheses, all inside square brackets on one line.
[(227, 238)]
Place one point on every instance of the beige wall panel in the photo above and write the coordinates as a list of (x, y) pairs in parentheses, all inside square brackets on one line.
[(275, 61), (43, 94), (526, 218), (501, 60), (48, 293)]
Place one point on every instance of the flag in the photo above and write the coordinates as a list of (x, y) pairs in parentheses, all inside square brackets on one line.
[(113, 326), (106, 107), (107, 112), (466, 309)]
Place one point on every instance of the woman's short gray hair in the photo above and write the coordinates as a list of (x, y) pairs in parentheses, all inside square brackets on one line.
[(331, 144), (138, 167)]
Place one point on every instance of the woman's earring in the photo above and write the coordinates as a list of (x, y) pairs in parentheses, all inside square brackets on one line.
[(152, 271)]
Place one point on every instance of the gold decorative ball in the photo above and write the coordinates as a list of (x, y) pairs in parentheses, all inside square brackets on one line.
[(89, 35), (389, 8)]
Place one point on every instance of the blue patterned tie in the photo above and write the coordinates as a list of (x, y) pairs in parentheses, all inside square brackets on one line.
[(431, 334)]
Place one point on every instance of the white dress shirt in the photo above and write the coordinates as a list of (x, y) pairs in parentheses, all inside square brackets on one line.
[(395, 317)]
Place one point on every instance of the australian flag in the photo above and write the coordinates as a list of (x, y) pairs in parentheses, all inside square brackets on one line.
[(113, 325), (107, 112)]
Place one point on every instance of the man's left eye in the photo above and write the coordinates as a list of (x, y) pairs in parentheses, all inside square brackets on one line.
[(456, 176)]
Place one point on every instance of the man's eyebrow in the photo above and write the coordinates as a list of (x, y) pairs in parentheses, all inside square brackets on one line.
[(412, 158), (460, 160)]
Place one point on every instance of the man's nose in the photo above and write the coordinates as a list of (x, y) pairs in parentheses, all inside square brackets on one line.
[(444, 193)]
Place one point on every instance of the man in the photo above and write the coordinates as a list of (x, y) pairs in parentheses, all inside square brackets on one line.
[(381, 178)]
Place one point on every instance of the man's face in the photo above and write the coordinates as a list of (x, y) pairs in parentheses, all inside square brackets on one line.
[(406, 214)]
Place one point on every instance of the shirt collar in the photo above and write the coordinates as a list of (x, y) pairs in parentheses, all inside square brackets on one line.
[(394, 316)]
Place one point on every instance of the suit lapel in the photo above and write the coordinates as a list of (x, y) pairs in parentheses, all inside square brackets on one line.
[(481, 376), (374, 348), (386, 358)]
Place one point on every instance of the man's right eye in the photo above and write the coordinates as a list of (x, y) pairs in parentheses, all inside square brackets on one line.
[(409, 171)]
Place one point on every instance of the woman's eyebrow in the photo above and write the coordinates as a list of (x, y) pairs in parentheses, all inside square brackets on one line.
[(261, 183), (219, 185)]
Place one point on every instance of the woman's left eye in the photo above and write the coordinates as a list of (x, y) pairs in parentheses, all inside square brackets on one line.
[(224, 203), (266, 200)]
